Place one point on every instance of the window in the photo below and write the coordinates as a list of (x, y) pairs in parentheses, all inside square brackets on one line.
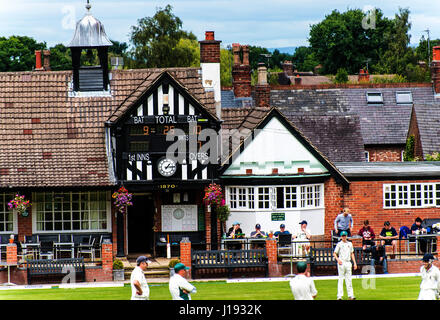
[(374, 98), (7, 223), (275, 197), (263, 198), (404, 97), (411, 195), (71, 211)]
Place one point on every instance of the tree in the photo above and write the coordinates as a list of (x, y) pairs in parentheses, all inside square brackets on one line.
[(398, 54), (60, 57), (341, 76), (226, 60), (17, 53), (341, 41), (155, 40), (304, 59)]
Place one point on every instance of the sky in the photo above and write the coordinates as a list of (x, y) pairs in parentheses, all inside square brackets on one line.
[(270, 24)]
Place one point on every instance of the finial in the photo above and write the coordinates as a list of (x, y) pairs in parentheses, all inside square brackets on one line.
[(88, 6)]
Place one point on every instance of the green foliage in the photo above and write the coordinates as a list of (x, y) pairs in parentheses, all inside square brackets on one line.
[(117, 264), (304, 59), (60, 57), (340, 41), (226, 60), (17, 53), (223, 212), (156, 41), (408, 154), (435, 156), (341, 76), (173, 262), (394, 79)]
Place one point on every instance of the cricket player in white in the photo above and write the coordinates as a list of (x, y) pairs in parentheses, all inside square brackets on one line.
[(343, 253), (302, 286), (180, 288), (139, 285), (430, 285)]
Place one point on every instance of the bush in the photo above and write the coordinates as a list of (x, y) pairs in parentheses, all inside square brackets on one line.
[(223, 213), (173, 262), (117, 264), (341, 76)]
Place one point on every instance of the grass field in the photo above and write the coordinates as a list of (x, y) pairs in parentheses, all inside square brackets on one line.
[(405, 288)]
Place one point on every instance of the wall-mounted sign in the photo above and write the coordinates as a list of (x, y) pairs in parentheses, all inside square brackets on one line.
[(278, 216), (179, 218)]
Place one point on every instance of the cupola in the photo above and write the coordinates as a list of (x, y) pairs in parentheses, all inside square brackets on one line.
[(90, 35)]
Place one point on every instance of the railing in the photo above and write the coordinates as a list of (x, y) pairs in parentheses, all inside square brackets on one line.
[(405, 249)]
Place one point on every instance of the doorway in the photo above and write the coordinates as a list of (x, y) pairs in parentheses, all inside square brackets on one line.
[(140, 221)]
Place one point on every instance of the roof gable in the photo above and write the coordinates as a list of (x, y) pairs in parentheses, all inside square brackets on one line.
[(149, 98), (275, 143)]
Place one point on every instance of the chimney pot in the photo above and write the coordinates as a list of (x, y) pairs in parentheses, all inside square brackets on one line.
[(245, 49), (436, 53), (38, 65), (46, 60), (209, 35)]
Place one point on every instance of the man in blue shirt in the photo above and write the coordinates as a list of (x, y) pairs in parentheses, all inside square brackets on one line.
[(282, 230), (344, 222)]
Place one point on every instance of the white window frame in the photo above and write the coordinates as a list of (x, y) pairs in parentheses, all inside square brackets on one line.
[(411, 195), (35, 212), (312, 198), (409, 101), (5, 210), (374, 97)]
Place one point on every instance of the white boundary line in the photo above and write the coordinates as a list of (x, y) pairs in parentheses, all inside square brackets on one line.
[(64, 286)]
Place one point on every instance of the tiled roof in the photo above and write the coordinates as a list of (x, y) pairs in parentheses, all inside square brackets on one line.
[(230, 101), (428, 122), (387, 123), (50, 139)]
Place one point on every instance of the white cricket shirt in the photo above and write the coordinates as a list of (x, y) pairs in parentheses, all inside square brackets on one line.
[(344, 250), (430, 278), (303, 288), (138, 274), (177, 285)]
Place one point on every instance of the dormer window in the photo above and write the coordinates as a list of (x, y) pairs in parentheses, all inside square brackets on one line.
[(374, 98), (404, 97)]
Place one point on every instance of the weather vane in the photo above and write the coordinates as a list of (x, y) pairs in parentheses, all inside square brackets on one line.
[(88, 6)]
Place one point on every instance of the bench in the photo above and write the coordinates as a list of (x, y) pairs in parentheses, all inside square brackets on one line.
[(228, 259), (324, 257), (197, 239), (59, 267)]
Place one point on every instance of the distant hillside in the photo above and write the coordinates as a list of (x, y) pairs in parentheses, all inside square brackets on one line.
[(288, 50)]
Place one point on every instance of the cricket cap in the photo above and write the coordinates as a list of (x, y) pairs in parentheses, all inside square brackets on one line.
[(282, 225), (301, 266), (257, 226), (303, 222), (344, 233), (142, 259), (235, 223), (180, 266), (428, 257)]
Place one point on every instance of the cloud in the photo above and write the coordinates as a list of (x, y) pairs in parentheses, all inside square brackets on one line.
[(273, 23)]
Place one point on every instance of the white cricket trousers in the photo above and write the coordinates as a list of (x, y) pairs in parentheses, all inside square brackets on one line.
[(344, 272), (427, 294)]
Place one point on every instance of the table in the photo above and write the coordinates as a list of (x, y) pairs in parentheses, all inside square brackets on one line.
[(9, 265), (429, 240), (224, 242), (61, 246)]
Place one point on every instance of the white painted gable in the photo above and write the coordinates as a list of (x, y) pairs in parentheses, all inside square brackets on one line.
[(275, 147)]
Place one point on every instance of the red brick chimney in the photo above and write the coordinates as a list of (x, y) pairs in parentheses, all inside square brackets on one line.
[(435, 68), (363, 76), (262, 89), (241, 71), (209, 49)]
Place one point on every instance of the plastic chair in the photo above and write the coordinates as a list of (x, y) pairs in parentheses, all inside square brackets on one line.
[(403, 234), (285, 244)]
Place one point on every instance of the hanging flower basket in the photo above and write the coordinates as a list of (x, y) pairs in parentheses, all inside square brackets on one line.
[(20, 205), (122, 199), (213, 195)]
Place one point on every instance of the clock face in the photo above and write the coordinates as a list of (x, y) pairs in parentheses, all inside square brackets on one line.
[(167, 167)]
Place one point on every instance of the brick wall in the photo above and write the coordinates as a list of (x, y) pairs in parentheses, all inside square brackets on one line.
[(414, 131), (24, 225), (365, 200), (262, 96), (334, 202), (385, 154)]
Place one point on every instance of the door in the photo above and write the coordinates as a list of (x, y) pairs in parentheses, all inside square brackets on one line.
[(140, 224)]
